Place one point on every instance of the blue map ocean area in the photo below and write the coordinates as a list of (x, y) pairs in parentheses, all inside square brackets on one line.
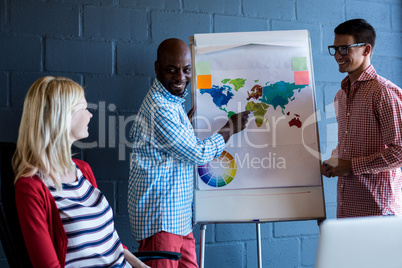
[(279, 93), (220, 95)]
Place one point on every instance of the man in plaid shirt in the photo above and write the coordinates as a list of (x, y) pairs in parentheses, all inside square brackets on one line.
[(368, 107), (165, 150)]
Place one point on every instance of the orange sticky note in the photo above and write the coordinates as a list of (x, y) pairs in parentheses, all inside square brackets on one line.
[(204, 81), (302, 78)]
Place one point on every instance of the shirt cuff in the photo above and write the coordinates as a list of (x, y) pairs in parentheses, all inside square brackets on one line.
[(358, 166), (220, 143)]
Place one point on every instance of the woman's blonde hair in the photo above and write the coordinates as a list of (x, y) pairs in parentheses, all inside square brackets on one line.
[(43, 146)]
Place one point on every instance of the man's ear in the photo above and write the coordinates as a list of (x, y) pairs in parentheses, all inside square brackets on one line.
[(156, 68), (367, 50)]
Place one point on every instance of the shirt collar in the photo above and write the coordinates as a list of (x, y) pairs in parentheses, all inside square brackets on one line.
[(169, 96), (366, 75)]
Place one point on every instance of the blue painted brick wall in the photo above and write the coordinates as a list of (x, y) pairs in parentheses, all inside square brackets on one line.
[(109, 46), (20, 53), (115, 23), (43, 18), (83, 56), (3, 93)]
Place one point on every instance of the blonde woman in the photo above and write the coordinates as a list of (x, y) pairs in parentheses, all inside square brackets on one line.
[(65, 220)]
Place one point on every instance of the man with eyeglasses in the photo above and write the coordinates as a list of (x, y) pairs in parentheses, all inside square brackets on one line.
[(368, 157)]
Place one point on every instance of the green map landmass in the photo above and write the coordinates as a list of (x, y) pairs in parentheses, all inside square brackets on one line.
[(260, 110), (238, 83), (230, 113), (224, 81)]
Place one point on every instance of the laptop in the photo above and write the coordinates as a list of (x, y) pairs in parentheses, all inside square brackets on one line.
[(360, 242)]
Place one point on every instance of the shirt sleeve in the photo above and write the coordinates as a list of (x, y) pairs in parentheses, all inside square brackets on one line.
[(389, 114), (32, 214), (175, 136), (334, 153)]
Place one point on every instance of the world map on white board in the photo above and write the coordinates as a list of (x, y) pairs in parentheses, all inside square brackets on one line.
[(274, 81)]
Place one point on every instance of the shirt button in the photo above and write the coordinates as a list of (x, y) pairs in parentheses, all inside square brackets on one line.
[(346, 132), (348, 114), (341, 203)]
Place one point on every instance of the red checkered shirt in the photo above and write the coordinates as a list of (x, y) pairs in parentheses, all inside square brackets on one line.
[(369, 134)]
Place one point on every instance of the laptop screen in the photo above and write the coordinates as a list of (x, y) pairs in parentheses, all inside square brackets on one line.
[(360, 242)]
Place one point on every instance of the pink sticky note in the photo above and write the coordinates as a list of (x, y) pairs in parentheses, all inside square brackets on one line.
[(301, 78)]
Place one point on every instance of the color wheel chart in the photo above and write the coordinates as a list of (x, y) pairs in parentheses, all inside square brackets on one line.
[(220, 171)]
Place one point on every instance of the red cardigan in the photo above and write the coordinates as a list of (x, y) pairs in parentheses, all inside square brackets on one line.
[(40, 220)]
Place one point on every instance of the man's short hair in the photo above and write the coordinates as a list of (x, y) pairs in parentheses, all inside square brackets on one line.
[(360, 29)]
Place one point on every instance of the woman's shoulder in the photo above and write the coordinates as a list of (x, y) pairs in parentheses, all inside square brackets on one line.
[(83, 166), (33, 180), (86, 170), (80, 163), (29, 184)]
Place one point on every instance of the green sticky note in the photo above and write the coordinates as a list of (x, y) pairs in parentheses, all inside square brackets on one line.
[(203, 68), (299, 64)]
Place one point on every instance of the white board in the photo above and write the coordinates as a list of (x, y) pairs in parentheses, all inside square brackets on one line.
[(276, 159)]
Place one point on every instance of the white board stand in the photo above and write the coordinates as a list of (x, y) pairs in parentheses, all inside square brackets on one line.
[(296, 203), (203, 228), (259, 255), (260, 193)]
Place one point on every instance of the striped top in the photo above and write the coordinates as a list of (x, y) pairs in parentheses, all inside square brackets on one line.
[(165, 150), (369, 115), (88, 221)]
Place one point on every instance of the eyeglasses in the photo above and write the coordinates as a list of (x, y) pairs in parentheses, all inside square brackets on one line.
[(343, 50)]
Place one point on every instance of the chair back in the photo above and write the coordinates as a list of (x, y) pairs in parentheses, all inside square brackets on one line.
[(10, 230)]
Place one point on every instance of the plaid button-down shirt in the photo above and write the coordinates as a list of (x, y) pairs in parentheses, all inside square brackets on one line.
[(369, 115), (165, 150)]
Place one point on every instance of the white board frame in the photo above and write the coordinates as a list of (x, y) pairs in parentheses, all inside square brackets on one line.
[(264, 204), (259, 205)]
